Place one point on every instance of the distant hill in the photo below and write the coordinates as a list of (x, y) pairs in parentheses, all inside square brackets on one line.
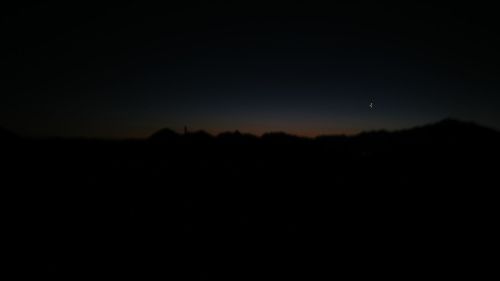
[(453, 127), (447, 130), (119, 203), (450, 138), (236, 138), (165, 135)]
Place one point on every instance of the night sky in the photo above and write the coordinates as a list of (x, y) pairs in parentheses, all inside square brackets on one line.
[(128, 70)]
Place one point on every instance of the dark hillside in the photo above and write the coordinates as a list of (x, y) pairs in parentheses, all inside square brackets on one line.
[(236, 206)]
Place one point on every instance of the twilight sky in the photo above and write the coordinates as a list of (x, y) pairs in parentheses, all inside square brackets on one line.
[(128, 70)]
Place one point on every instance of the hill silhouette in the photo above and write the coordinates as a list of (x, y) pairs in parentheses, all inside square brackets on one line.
[(165, 135), (453, 128), (189, 203), (446, 130)]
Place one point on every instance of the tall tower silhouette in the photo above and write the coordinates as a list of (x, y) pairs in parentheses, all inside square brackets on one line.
[(185, 130)]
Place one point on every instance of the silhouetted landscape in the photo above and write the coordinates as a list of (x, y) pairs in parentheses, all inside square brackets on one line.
[(236, 206), (237, 140)]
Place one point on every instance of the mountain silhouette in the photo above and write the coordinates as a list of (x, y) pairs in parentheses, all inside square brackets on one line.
[(453, 128), (451, 131), (166, 135), (198, 137), (123, 207), (446, 130), (232, 138)]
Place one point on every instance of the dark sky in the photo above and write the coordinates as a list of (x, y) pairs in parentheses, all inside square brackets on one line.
[(126, 70)]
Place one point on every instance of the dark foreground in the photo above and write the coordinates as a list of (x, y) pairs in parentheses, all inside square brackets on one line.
[(416, 203)]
